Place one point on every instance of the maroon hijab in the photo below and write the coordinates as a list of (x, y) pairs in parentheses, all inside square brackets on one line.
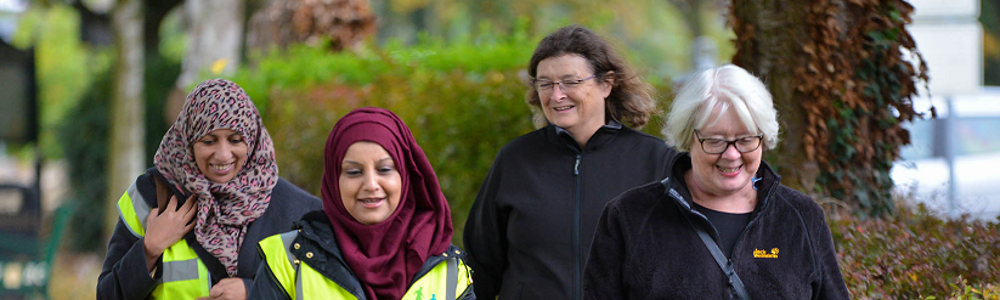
[(386, 256)]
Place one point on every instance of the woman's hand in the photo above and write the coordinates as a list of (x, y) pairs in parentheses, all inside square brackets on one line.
[(165, 229), (228, 289)]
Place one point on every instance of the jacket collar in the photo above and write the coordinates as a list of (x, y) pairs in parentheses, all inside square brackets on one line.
[(603, 135), (676, 189), (316, 236)]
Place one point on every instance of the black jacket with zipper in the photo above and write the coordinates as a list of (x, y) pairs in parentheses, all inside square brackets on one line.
[(316, 236), (529, 231), (645, 247)]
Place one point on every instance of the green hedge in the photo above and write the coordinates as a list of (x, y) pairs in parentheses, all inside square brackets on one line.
[(916, 254), (463, 102)]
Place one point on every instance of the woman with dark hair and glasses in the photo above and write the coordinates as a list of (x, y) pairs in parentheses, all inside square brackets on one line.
[(721, 226), (528, 233)]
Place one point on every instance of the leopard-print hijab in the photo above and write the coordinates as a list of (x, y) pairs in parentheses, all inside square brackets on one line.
[(224, 209)]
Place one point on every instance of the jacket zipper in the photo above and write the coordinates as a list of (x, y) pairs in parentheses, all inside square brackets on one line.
[(576, 230), (739, 239)]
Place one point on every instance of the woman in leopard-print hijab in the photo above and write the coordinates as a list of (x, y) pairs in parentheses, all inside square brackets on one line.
[(234, 186), (219, 161)]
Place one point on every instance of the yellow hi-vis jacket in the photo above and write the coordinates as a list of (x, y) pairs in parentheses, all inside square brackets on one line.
[(184, 274), (302, 270)]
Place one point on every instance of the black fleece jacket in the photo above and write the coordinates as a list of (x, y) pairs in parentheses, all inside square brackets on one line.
[(529, 231), (125, 276), (645, 248)]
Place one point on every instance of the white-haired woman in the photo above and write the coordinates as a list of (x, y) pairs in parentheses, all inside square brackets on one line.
[(721, 226)]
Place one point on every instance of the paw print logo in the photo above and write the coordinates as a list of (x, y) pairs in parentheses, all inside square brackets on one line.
[(774, 251)]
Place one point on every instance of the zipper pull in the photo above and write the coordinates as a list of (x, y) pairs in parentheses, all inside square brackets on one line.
[(576, 167)]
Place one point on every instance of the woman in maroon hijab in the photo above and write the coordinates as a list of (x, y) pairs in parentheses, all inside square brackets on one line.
[(385, 228)]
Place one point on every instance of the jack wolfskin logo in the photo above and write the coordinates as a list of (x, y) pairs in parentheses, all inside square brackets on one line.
[(757, 253)]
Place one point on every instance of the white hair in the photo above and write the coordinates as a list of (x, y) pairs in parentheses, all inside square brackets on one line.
[(727, 87)]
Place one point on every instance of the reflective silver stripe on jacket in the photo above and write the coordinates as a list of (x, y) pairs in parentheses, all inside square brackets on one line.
[(452, 279), (180, 270), (298, 283), (287, 240), (139, 206)]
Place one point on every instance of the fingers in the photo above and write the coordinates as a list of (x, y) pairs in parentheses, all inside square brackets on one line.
[(217, 290), (228, 288), (153, 213), (172, 203), (221, 288), (189, 212), (189, 202), (189, 226)]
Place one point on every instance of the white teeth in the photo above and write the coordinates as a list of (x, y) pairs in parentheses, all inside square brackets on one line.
[(727, 170), (562, 108), (371, 201), (222, 167)]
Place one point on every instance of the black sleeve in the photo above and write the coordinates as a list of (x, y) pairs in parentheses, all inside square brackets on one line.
[(124, 275), (832, 281), (265, 285), (602, 277), (485, 237), (247, 283)]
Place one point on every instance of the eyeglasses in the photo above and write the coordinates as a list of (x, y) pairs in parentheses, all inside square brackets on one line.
[(545, 86), (743, 144)]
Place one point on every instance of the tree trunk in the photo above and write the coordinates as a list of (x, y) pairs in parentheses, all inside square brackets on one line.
[(215, 40), (126, 157), (156, 11), (770, 48), (842, 85)]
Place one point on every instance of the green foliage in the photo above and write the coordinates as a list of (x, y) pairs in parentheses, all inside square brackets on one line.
[(84, 136), (63, 66), (965, 291), (655, 32), (989, 16), (915, 254), (462, 102)]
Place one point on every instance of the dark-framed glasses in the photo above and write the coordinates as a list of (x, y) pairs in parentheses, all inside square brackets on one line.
[(743, 144), (545, 86)]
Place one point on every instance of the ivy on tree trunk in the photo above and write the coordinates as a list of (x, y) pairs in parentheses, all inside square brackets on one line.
[(842, 86)]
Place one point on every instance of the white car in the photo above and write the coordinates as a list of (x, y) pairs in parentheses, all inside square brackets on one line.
[(923, 172)]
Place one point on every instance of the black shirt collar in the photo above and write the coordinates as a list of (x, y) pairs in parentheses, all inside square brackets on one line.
[(601, 136)]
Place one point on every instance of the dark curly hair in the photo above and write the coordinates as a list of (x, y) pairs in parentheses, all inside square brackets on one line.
[(630, 101)]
